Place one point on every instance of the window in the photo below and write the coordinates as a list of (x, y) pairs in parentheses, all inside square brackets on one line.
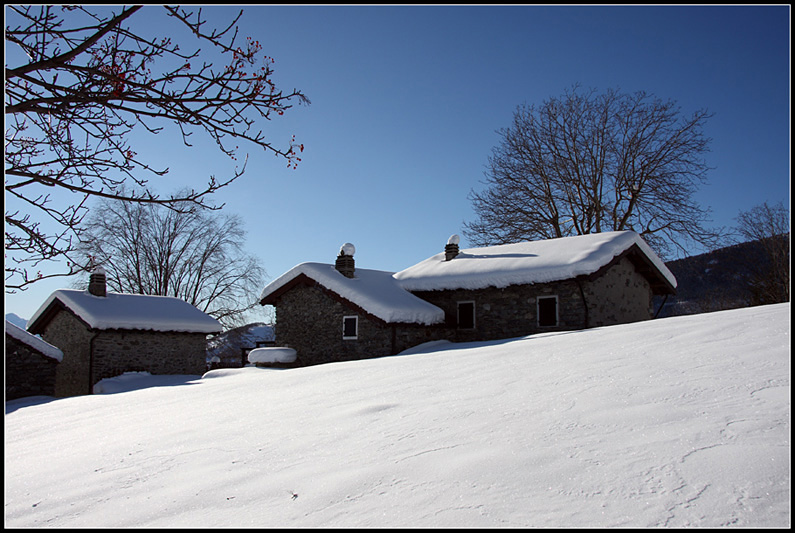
[(466, 315), (350, 327), (547, 311)]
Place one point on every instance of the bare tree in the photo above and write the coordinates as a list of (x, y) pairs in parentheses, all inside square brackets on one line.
[(587, 163), (85, 81), (194, 254), (768, 226)]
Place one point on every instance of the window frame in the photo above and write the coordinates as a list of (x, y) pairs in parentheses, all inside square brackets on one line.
[(458, 315), (355, 327), (557, 311)]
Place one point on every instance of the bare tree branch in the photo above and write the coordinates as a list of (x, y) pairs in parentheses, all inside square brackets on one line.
[(86, 82), (192, 254), (769, 227), (588, 162)]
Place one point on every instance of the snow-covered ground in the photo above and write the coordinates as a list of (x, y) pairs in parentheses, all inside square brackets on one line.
[(682, 421)]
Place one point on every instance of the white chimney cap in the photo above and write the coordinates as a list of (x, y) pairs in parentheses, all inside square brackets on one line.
[(98, 270), (348, 249), (454, 239)]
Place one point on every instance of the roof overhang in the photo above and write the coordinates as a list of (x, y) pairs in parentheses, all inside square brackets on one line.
[(300, 279), (41, 321)]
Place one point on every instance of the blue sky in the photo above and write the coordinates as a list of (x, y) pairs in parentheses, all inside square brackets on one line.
[(407, 100)]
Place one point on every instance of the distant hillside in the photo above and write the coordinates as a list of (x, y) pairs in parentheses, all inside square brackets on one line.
[(713, 281), (16, 320)]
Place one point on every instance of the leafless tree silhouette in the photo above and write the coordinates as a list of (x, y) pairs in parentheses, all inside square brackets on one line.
[(84, 83)]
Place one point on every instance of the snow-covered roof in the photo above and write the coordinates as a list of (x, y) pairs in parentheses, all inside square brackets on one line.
[(129, 311), (528, 262), (41, 346), (374, 291)]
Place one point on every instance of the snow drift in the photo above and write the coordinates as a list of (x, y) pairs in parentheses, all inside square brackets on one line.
[(682, 421)]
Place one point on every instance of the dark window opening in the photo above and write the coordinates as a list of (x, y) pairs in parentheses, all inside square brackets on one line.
[(548, 311), (350, 327), (466, 315)]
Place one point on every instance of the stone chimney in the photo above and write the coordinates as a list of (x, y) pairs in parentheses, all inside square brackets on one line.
[(451, 249), (97, 282), (345, 264)]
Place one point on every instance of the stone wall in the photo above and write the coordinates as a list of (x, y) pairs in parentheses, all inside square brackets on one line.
[(27, 372), (90, 356), (618, 295), (119, 351), (309, 320), (510, 311), (410, 335), (66, 332)]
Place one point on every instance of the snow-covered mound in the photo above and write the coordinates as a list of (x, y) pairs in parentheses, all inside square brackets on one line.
[(272, 355), (137, 380), (677, 422)]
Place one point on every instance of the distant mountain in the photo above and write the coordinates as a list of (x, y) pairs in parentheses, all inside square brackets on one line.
[(16, 320), (714, 281)]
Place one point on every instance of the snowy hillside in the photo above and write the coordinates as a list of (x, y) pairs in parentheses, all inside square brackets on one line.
[(683, 421)]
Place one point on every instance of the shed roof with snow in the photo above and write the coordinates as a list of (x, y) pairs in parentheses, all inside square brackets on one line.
[(39, 345), (125, 312), (536, 262)]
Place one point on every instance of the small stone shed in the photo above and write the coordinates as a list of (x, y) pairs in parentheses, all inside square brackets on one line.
[(339, 312), (104, 334), (30, 364)]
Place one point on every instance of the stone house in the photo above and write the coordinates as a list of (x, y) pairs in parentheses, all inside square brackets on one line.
[(338, 312), (30, 364), (104, 334)]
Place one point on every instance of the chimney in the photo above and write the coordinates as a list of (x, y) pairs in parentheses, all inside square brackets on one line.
[(451, 250), (96, 282), (345, 263)]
